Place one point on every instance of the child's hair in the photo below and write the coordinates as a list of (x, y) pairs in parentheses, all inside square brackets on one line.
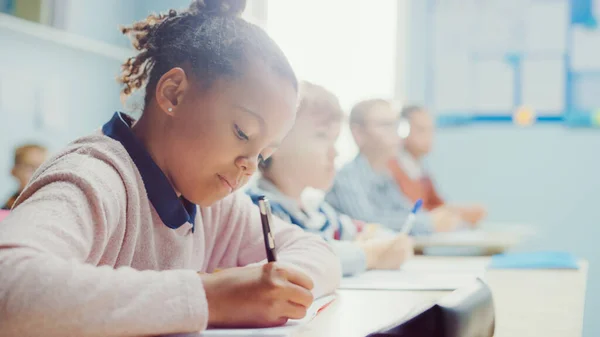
[(360, 109), (210, 36), (409, 110), (21, 152), (310, 96)]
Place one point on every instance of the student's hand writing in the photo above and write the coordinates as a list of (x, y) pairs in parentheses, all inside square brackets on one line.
[(257, 296), (445, 219), (388, 253), (472, 214)]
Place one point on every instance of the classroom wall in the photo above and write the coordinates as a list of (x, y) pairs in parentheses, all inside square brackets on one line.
[(90, 90), (546, 176), (82, 83), (101, 19)]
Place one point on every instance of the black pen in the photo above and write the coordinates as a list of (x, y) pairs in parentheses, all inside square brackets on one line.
[(265, 218)]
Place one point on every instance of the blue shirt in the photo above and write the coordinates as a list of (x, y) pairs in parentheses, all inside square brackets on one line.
[(374, 197)]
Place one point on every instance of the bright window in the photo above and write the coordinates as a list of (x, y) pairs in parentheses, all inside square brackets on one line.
[(347, 46)]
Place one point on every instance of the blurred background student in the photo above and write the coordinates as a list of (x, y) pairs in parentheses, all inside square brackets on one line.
[(27, 159), (410, 173), (304, 160), (365, 188)]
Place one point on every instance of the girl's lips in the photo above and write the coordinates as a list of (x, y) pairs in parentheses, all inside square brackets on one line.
[(225, 183)]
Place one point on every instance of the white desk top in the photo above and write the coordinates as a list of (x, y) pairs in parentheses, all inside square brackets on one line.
[(356, 313), (486, 241), (529, 303)]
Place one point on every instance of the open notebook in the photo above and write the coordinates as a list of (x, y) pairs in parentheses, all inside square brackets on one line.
[(282, 331)]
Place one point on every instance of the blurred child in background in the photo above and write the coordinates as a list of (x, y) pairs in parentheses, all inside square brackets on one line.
[(410, 174), (28, 158), (306, 159), (365, 188)]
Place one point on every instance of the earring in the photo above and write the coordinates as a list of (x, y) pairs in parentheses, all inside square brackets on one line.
[(170, 109)]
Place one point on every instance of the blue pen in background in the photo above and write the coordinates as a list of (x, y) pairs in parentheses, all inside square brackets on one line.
[(410, 219)]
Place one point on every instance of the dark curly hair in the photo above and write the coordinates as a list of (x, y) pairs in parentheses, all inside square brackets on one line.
[(210, 36)]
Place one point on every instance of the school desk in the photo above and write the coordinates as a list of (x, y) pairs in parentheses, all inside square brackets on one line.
[(531, 303), (489, 239)]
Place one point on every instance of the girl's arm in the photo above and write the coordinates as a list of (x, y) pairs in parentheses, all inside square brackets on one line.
[(66, 219), (306, 251)]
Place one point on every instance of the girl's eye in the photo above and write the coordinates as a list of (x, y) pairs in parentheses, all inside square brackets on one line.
[(239, 133)]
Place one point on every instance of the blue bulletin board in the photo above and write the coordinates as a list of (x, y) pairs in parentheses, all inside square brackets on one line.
[(514, 61)]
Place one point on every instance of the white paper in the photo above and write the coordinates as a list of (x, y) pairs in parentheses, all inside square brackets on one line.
[(408, 280), (587, 91), (546, 26), (498, 25), (585, 53), (493, 88), (543, 84), (283, 331), (452, 26), (452, 83)]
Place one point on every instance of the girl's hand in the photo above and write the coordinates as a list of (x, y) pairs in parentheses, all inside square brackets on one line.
[(472, 214), (257, 296)]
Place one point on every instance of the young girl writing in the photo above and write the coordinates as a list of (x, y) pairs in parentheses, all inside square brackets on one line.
[(306, 159), (118, 234)]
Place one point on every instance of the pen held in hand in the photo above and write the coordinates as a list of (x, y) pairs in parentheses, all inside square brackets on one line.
[(266, 218), (410, 219)]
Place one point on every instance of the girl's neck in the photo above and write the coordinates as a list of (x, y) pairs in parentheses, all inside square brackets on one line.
[(146, 130)]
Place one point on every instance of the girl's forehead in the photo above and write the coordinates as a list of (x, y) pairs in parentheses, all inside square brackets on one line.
[(261, 83)]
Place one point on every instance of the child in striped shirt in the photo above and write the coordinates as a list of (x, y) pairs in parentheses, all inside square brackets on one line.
[(306, 159)]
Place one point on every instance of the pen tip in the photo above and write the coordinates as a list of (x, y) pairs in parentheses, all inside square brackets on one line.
[(418, 205)]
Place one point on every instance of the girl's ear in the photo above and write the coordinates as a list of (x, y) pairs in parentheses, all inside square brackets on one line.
[(170, 90)]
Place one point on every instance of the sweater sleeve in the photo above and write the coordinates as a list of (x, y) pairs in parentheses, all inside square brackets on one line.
[(306, 251), (47, 285)]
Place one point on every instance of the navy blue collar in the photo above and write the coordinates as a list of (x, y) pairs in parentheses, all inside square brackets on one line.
[(172, 210)]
